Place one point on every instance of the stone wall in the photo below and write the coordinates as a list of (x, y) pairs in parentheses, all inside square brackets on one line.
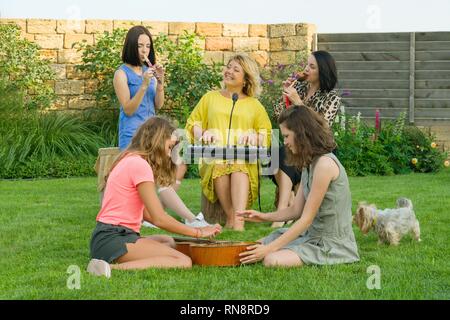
[(267, 44)]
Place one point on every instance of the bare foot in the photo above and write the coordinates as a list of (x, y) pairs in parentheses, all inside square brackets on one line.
[(239, 225)]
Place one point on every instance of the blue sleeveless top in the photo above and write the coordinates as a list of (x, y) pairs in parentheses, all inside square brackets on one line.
[(129, 124)]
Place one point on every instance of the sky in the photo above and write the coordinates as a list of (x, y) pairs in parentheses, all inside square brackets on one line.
[(338, 16)]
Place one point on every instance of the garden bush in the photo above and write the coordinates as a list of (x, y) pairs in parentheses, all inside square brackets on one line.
[(392, 148), (22, 69), (35, 144), (272, 78), (51, 167), (100, 61), (188, 78)]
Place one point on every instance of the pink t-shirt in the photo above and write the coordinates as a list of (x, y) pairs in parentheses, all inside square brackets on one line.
[(122, 204)]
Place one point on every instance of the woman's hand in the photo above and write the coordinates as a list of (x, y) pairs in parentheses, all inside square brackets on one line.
[(252, 216), (147, 76), (209, 137), (292, 94), (160, 72), (209, 231), (288, 82), (255, 253), (248, 139)]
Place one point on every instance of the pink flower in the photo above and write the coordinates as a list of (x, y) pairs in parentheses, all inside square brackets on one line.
[(377, 120)]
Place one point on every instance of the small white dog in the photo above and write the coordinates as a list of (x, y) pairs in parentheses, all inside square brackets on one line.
[(389, 224)]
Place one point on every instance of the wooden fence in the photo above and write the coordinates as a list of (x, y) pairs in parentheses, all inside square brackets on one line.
[(393, 72)]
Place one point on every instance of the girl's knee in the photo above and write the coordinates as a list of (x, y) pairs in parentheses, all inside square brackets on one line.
[(170, 242), (166, 240), (271, 260), (185, 261), (277, 260)]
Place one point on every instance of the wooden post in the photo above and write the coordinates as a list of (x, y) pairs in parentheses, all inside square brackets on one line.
[(106, 157), (412, 78), (315, 42), (213, 212)]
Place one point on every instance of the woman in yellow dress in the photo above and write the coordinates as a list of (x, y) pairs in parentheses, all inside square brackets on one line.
[(233, 182)]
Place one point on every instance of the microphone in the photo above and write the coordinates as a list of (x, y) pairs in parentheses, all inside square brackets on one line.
[(235, 98)]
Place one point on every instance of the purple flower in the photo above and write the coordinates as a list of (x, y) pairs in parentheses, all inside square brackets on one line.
[(346, 93), (270, 82)]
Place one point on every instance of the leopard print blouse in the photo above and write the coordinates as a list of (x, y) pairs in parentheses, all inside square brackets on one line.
[(325, 103)]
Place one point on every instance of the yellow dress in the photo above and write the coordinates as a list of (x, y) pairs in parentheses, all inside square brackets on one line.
[(213, 112)]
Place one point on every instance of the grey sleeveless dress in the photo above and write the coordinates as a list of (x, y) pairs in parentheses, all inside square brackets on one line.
[(330, 238)]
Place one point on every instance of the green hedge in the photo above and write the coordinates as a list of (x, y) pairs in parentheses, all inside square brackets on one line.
[(55, 167)]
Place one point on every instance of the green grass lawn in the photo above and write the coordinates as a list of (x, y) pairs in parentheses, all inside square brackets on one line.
[(45, 227)]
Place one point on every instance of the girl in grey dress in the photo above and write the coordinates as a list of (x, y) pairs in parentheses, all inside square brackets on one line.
[(323, 233)]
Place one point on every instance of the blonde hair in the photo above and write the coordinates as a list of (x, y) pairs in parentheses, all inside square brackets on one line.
[(149, 142), (252, 80)]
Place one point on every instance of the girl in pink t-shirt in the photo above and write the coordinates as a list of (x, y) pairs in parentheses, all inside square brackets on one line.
[(130, 197)]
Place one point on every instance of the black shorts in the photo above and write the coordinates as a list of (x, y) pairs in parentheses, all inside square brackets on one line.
[(109, 242), (292, 172)]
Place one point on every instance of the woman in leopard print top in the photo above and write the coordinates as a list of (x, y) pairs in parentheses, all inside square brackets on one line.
[(317, 92), (325, 103)]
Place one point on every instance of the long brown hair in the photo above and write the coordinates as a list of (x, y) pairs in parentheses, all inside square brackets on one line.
[(312, 135), (149, 142)]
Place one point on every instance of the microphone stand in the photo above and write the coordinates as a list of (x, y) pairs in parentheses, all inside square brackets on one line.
[(235, 98)]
